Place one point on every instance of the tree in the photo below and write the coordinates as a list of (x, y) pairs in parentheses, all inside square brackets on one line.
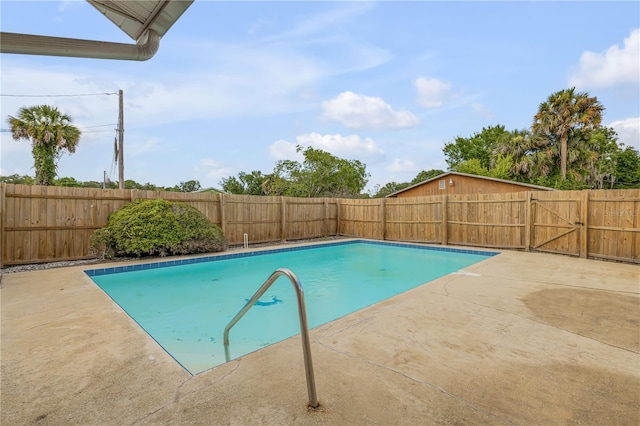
[(17, 179), (69, 182), (232, 185), (132, 184), (599, 157), (320, 175), (590, 162), (426, 175), (246, 183), (565, 118), (480, 146), (389, 188), (96, 184), (501, 169), (627, 168), (530, 155), (50, 133), (282, 181), (473, 167), (253, 182), (189, 186)]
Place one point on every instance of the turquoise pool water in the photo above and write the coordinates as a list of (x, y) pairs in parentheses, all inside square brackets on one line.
[(185, 307)]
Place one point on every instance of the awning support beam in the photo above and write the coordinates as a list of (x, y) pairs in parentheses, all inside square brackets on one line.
[(29, 44)]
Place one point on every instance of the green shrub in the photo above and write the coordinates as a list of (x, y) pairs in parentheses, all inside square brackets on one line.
[(157, 227)]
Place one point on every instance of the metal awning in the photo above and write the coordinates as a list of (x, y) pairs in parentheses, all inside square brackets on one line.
[(136, 17), (145, 21)]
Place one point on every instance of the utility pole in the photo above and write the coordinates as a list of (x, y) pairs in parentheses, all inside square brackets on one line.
[(120, 140)]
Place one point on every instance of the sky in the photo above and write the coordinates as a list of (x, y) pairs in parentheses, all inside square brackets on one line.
[(235, 86)]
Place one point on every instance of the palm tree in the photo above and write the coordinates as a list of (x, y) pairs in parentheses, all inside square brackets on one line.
[(50, 133), (567, 115), (531, 155)]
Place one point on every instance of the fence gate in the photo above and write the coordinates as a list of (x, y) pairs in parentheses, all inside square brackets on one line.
[(556, 225)]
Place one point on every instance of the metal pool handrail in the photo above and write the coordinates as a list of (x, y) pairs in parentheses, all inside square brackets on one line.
[(304, 328)]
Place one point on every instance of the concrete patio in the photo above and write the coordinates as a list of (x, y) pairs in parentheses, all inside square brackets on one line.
[(526, 338)]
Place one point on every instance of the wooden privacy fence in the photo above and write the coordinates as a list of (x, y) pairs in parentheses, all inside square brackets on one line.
[(49, 223), (602, 224), (44, 224)]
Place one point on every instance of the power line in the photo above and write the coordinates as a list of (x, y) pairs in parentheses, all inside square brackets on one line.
[(100, 125), (82, 129), (57, 96)]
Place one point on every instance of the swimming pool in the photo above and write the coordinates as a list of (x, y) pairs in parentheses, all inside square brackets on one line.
[(186, 304)]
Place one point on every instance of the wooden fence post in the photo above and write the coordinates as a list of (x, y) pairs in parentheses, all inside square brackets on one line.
[(283, 218), (445, 237), (223, 221), (3, 189), (338, 213), (324, 218), (382, 219), (527, 222), (584, 217)]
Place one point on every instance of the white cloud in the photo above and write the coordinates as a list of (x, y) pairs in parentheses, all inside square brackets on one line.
[(323, 22), (402, 165), (329, 30), (628, 131), (482, 110), (213, 169), (349, 146), (283, 150), (615, 67), (352, 146), (140, 148), (255, 82), (366, 112), (432, 92)]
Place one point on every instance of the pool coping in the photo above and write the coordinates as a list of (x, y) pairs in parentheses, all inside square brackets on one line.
[(264, 251)]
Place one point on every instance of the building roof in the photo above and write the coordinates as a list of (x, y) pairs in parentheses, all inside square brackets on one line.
[(528, 185), (145, 21), (212, 189)]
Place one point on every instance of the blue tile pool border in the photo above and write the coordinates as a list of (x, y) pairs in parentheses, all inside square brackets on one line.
[(168, 263)]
